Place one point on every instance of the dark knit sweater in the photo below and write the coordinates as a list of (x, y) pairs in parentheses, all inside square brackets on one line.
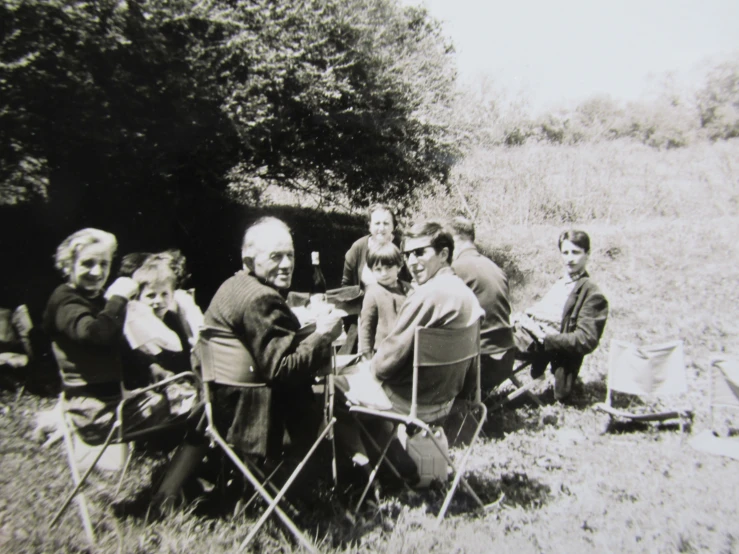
[(88, 332), (259, 315)]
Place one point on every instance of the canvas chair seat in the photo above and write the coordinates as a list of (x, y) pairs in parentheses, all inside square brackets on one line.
[(435, 351), (724, 385), (648, 372)]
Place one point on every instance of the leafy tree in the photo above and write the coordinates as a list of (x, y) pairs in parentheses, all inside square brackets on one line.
[(120, 107)]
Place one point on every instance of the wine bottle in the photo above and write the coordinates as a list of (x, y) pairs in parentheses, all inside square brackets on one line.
[(318, 283)]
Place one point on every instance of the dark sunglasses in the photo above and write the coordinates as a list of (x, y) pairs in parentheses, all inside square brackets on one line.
[(418, 252)]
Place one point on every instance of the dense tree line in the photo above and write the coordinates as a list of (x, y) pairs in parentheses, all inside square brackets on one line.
[(163, 121), (171, 99), (672, 118)]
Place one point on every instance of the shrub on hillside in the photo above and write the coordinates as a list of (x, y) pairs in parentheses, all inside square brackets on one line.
[(718, 101)]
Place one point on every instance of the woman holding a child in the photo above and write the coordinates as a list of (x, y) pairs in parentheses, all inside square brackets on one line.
[(86, 323)]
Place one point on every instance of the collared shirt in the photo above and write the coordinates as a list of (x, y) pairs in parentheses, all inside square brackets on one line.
[(550, 308)]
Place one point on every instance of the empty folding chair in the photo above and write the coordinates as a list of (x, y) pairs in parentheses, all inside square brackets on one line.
[(650, 372), (724, 385), (435, 351), (226, 361)]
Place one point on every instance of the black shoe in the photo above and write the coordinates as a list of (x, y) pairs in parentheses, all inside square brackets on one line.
[(562, 383), (537, 370)]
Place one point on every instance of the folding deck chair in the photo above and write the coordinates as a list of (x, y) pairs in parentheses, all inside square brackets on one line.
[(226, 361), (117, 435), (724, 385), (647, 371), (435, 351)]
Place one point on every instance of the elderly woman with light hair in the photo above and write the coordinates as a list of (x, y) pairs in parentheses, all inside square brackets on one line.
[(85, 323), (382, 225)]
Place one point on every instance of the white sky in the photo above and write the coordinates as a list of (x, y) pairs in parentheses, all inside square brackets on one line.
[(560, 51)]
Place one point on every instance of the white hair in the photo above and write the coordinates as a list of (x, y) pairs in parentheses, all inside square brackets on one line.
[(255, 232)]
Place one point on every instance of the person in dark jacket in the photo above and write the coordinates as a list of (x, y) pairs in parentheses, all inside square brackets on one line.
[(568, 322), (252, 306), (490, 285)]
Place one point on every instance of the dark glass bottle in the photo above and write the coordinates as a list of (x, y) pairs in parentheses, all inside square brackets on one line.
[(318, 283)]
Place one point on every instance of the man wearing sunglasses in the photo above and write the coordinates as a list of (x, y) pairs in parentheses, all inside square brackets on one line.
[(442, 300)]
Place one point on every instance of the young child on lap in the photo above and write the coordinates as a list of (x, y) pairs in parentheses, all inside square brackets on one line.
[(161, 345)]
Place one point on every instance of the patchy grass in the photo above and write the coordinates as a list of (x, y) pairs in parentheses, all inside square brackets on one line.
[(568, 486)]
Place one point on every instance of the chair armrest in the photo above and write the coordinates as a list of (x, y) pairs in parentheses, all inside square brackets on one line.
[(186, 376)]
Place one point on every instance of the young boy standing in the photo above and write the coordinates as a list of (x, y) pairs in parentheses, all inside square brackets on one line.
[(383, 299)]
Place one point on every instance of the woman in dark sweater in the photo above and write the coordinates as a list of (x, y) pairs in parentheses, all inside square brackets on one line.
[(86, 329), (382, 226)]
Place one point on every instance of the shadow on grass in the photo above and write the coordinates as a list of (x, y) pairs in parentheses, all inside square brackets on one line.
[(523, 413), (320, 510), (620, 427)]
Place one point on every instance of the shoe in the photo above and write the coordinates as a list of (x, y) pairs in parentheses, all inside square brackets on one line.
[(562, 383), (537, 369)]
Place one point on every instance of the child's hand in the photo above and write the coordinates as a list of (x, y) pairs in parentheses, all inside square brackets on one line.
[(159, 373), (124, 287)]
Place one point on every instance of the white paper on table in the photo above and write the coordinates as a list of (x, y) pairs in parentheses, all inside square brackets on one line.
[(307, 315)]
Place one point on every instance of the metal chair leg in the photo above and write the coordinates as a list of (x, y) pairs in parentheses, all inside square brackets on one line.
[(273, 505), (129, 456), (302, 539), (81, 500), (373, 474), (71, 495), (459, 470)]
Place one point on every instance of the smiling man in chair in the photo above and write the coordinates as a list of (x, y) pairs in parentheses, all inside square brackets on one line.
[(252, 305), (441, 300)]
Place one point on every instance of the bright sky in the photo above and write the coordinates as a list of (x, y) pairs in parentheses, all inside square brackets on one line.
[(560, 51)]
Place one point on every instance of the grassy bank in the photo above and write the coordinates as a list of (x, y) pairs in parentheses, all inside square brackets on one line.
[(669, 273)]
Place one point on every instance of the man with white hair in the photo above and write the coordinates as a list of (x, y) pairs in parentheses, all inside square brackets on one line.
[(252, 306)]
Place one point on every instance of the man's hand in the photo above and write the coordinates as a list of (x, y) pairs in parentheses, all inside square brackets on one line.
[(329, 325), (159, 373), (124, 287)]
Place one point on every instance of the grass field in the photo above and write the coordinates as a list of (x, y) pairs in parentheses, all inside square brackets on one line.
[(669, 265)]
